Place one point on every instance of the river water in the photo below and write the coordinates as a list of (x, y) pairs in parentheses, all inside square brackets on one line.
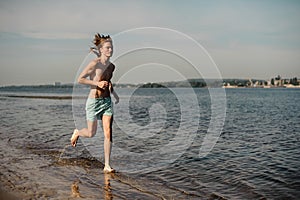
[(255, 157)]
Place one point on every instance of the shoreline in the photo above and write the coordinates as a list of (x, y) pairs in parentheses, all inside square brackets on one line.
[(34, 172), (264, 87), (38, 97)]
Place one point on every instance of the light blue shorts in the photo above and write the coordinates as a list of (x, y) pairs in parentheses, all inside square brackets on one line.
[(97, 107)]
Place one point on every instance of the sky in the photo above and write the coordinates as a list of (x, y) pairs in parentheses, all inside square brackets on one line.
[(42, 42)]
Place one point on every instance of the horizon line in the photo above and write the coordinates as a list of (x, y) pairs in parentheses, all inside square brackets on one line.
[(58, 83)]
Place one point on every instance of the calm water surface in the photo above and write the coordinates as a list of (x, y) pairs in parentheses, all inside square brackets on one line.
[(256, 156)]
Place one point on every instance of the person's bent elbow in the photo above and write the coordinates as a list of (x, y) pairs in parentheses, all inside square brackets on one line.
[(80, 80)]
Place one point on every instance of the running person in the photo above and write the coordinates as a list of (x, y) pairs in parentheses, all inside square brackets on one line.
[(98, 74)]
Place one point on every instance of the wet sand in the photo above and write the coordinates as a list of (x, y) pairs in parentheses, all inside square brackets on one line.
[(25, 175), (31, 172), (38, 162)]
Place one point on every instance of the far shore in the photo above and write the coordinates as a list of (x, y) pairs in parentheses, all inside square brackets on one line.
[(267, 87)]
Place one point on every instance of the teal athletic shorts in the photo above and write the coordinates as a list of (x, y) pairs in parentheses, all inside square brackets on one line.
[(97, 107)]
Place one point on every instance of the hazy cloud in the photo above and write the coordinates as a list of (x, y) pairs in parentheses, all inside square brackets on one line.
[(245, 38)]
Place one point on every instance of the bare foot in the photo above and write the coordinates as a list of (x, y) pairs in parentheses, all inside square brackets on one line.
[(74, 138), (108, 169)]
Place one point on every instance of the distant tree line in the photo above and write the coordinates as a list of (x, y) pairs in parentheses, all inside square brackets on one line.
[(195, 83)]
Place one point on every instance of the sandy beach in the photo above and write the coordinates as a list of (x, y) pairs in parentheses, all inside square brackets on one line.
[(34, 172)]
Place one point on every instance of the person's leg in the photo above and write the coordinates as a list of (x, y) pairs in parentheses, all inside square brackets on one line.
[(107, 129), (91, 117), (90, 131)]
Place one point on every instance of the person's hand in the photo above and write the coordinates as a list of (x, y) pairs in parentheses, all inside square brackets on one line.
[(117, 101), (102, 84)]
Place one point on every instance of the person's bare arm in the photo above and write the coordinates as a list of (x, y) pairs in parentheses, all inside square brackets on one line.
[(88, 70), (112, 91), (115, 95)]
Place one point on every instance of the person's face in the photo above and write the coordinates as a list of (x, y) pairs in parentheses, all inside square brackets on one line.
[(107, 49)]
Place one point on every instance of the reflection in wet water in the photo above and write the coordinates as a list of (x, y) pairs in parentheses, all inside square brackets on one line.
[(107, 187), (75, 189)]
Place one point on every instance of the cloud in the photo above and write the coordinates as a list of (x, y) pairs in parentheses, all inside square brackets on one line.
[(55, 35), (218, 24), (245, 38), (59, 19)]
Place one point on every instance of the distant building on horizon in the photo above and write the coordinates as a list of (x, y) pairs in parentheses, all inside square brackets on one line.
[(57, 84), (275, 82)]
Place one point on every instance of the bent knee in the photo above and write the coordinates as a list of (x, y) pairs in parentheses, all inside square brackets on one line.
[(91, 134)]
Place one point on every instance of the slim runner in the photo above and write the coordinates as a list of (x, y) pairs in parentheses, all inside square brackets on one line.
[(98, 74)]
